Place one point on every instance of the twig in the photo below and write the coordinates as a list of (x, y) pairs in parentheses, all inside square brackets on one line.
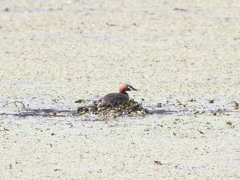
[(15, 103), (179, 103)]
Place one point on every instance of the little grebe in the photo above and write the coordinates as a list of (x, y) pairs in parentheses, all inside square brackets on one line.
[(116, 99)]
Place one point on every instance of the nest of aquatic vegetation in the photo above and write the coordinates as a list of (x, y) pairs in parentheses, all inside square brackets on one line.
[(132, 108)]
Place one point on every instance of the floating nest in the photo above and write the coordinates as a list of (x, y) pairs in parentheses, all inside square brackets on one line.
[(132, 108)]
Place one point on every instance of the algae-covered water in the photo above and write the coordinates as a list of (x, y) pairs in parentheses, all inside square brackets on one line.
[(183, 56)]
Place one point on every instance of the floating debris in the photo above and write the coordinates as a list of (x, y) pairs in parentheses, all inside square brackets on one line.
[(219, 111), (236, 105), (180, 9), (158, 162), (80, 101), (211, 101), (159, 105), (229, 123)]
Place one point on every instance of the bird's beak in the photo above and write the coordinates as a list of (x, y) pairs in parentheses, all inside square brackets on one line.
[(133, 89)]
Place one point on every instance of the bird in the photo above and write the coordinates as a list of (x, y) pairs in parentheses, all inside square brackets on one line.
[(116, 99)]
